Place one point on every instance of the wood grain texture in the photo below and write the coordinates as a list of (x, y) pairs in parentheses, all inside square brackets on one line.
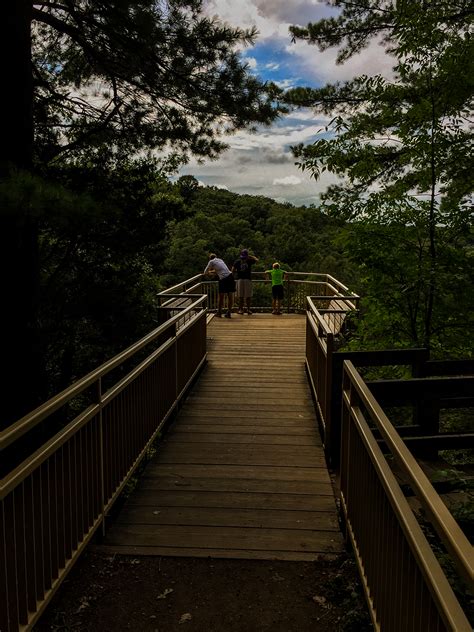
[(242, 472)]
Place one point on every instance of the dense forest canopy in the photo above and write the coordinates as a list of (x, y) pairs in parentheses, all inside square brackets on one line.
[(108, 99)]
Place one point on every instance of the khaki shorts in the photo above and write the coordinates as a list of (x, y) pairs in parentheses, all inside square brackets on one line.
[(244, 288)]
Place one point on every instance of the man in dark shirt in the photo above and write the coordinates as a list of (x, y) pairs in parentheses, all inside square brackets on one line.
[(243, 269)]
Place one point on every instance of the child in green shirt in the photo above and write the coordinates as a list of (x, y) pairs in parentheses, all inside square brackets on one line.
[(277, 276)]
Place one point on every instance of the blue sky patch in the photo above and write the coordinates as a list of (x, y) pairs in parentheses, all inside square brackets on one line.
[(274, 63)]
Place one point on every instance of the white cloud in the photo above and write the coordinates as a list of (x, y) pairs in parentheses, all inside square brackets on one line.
[(251, 62), (262, 163), (320, 67), (292, 180), (285, 84)]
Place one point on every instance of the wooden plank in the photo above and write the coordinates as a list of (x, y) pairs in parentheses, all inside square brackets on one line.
[(160, 515), (247, 439), (189, 412), (235, 399), (294, 456), (233, 500), (399, 392), (251, 384), (212, 378), (252, 407), (289, 428), (254, 472), (282, 556), (231, 538), (320, 486)]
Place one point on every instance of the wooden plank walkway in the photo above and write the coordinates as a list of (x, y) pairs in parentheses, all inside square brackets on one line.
[(242, 472)]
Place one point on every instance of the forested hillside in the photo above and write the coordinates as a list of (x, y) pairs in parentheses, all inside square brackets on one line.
[(116, 234), (300, 238)]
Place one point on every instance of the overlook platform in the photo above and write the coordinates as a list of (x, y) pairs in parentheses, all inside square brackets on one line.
[(242, 472)]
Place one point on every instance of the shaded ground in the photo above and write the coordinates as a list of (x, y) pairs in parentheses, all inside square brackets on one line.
[(105, 592)]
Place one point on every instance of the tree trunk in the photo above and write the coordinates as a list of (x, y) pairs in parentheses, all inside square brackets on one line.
[(22, 366)]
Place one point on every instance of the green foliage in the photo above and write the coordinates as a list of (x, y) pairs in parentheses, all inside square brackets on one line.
[(106, 253), (403, 151), (95, 85), (393, 257), (136, 75), (100, 254)]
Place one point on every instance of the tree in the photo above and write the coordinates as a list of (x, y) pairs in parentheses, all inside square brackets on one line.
[(405, 141), (392, 254), (83, 77)]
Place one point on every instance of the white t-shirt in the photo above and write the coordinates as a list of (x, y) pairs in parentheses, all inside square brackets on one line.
[(219, 266)]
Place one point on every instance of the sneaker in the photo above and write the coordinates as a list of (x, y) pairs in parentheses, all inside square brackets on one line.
[(227, 315), (249, 312), (241, 311)]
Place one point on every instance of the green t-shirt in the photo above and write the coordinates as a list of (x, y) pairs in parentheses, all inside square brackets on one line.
[(276, 275)]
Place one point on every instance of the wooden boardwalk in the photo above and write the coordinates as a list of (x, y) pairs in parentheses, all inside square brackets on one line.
[(242, 472)]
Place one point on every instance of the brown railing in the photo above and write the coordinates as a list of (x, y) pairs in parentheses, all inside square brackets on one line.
[(327, 292), (54, 500), (323, 326), (329, 295), (324, 365), (426, 397), (405, 585)]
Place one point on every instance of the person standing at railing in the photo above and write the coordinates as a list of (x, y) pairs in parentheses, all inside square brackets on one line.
[(226, 283), (243, 268), (277, 275)]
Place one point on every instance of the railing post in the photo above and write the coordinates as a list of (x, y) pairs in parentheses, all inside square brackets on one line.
[(98, 397), (175, 332), (344, 458), (333, 435)]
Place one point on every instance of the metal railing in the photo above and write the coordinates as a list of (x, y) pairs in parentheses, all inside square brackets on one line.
[(324, 366), (323, 326), (54, 500), (332, 297), (405, 586), (404, 583)]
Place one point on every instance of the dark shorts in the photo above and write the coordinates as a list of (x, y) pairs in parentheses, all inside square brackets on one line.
[(227, 285), (277, 291)]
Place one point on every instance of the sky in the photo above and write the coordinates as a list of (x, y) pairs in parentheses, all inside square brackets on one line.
[(262, 163)]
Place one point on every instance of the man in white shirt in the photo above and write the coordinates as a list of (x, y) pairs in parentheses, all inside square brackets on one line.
[(226, 283)]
